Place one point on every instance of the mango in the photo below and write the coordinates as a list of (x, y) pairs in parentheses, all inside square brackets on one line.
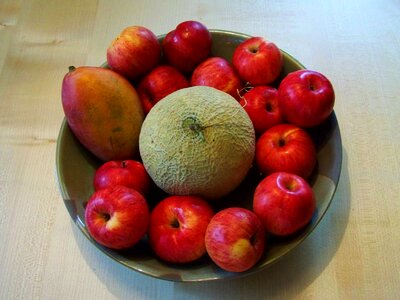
[(103, 111)]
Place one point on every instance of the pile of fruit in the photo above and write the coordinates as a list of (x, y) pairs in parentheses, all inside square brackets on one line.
[(169, 114)]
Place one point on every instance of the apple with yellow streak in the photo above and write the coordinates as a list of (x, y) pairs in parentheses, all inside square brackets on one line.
[(177, 228), (117, 217), (235, 239)]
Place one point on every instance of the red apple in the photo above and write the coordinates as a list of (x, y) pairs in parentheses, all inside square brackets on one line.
[(187, 45), (157, 84), (117, 217), (134, 52), (217, 73), (286, 148), (177, 228), (284, 203), (129, 173), (258, 61), (306, 98), (235, 239), (261, 104)]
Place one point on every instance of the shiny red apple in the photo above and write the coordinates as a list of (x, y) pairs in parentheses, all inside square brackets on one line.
[(286, 148), (306, 98), (261, 104), (177, 228), (218, 73), (258, 61), (187, 45), (160, 82), (129, 173), (284, 203), (117, 217), (235, 239), (134, 52)]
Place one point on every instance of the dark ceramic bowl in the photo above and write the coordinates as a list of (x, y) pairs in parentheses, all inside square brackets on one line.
[(76, 167)]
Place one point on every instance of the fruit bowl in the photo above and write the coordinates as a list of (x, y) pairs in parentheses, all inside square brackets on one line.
[(76, 166)]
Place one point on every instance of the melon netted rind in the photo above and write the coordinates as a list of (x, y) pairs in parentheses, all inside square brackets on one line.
[(197, 141)]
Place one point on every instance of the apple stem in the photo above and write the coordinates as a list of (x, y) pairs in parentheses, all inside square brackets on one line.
[(105, 216), (175, 223), (253, 49), (268, 107), (289, 186), (71, 68), (123, 164), (311, 86)]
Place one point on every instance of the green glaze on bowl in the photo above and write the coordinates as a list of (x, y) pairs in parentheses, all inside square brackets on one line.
[(76, 166)]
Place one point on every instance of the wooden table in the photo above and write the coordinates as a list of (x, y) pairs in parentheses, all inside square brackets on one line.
[(353, 253)]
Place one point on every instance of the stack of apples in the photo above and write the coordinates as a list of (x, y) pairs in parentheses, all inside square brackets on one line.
[(181, 229)]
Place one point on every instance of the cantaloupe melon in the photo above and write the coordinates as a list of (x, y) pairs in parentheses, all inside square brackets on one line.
[(197, 141)]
